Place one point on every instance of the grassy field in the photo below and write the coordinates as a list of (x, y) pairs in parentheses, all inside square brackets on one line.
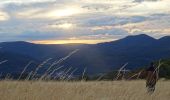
[(116, 90)]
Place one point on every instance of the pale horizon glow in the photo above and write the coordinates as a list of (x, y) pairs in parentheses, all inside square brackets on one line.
[(71, 41)]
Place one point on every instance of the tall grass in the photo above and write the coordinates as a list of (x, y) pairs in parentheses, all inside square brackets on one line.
[(51, 69), (96, 90), (37, 89)]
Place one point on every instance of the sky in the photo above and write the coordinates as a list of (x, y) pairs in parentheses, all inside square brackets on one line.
[(82, 21)]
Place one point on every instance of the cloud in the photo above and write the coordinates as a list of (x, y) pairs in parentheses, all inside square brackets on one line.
[(50, 13), (20, 2), (145, 0), (38, 20), (156, 25)]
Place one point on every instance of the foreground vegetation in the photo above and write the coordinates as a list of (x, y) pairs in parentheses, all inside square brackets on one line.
[(32, 86), (95, 90)]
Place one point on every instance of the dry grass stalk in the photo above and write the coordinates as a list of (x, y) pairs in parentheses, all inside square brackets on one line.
[(120, 70), (3, 62), (61, 60), (39, 66), (29, 76), (82, 78), (56, 63), (55, 71), (24, 69), (137, 75), (70, 76), (66, 74), (101, 76)]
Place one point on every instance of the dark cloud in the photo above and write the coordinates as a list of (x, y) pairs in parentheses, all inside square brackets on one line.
[(36, 35), (98, 7), (113, 31), (113, 21)]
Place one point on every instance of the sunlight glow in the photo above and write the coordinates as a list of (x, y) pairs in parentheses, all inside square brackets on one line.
[(71, 41), (3, 16), (65, 26), (68, 11), (52, 13)]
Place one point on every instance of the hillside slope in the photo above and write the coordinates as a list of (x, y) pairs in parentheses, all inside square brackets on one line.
[(137, 51)]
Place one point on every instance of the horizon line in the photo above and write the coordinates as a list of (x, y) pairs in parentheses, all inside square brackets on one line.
[(77, 41)]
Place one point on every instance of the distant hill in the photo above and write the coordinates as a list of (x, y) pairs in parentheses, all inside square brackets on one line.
[(137, 51)]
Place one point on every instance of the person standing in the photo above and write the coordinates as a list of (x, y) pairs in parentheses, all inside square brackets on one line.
[(151, 78)]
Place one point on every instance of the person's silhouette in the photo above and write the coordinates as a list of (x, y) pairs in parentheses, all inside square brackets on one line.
[(151, 78)]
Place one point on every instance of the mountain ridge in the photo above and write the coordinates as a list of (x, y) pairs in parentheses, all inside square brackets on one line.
[(127, 37), (137, 51)]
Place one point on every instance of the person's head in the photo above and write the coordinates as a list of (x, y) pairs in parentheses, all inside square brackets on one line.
[(152, 64)]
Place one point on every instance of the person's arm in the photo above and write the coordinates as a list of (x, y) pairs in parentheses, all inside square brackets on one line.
[(144, 73), (157, 74)]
